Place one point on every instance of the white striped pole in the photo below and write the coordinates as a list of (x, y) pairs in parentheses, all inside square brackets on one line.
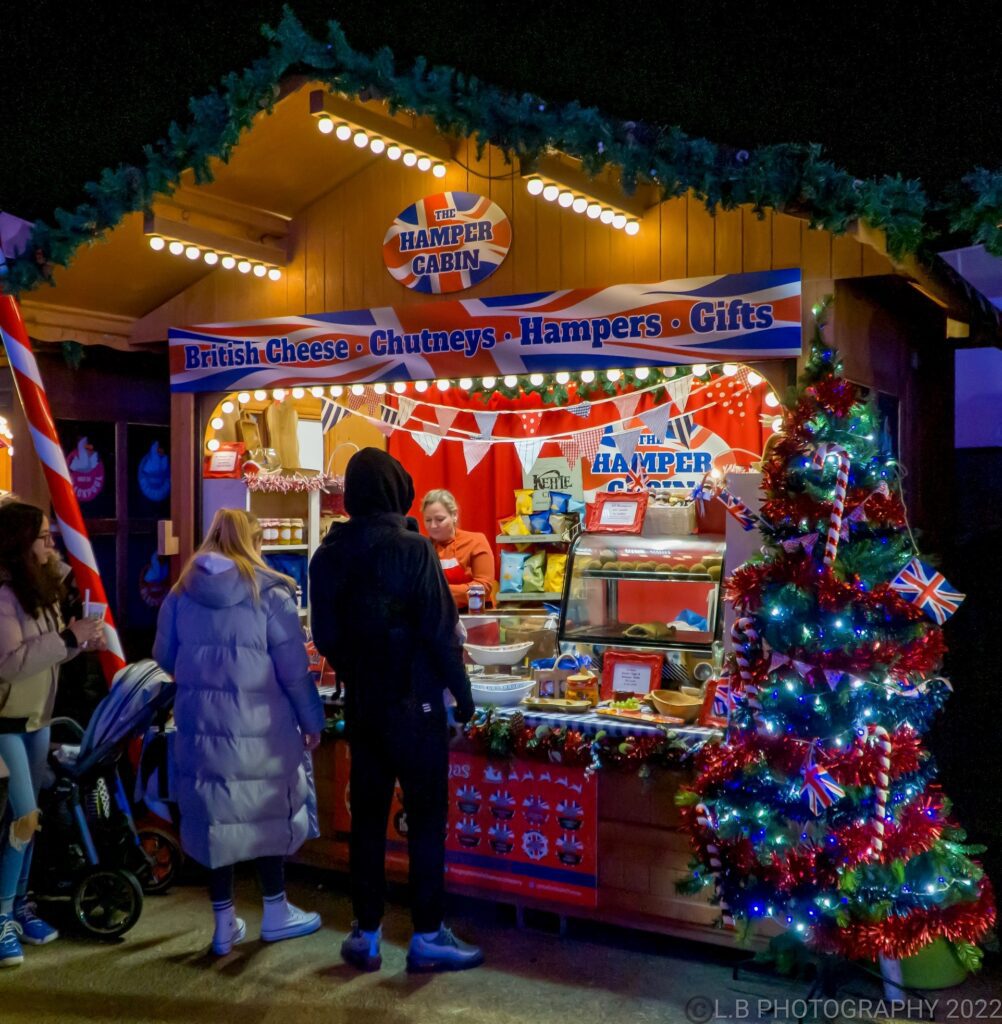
[(31, 390)]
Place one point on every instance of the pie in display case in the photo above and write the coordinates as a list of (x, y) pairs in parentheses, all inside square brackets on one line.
[(643, 591)]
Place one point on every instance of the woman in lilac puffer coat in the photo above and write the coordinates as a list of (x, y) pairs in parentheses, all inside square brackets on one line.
[(246, 708)]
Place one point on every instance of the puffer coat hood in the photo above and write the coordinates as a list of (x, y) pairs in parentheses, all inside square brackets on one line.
[(376, 484)]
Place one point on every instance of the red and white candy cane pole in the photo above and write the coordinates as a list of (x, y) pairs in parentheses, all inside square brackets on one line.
[(50, 452), (713, 853), (743, 633), (882, 789), (824, 452)]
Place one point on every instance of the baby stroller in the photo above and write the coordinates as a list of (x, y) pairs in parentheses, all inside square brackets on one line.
[(89, 852)]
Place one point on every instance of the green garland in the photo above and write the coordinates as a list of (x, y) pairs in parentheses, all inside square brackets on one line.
[(792, 178)]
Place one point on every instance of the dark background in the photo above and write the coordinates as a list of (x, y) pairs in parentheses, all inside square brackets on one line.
[(885, 87)]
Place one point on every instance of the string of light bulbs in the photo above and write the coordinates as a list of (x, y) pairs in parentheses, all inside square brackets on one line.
[(379, 145), (213, 258)]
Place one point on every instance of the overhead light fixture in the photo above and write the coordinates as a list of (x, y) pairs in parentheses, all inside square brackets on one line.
[(400, 387), (259, 395), (210, 257), (377, 146), (438, 170), (298, 393), (325, 125), (510, 381), (421, 386), (424, 163), (360, 139), (488, 382), (175, 248), (534, 186), (157, 243)]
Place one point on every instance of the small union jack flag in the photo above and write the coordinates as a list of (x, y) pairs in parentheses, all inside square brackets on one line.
[(924, 586), (819, 787), (737, 508), (637, 479), (721, 707)]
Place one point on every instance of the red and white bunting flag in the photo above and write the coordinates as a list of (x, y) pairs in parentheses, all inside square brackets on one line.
[(627, 405), (445, 416), (485, 422), (428, 442), (530, 421), (570, 448), (356, 402), (474, 452), (589, 442), (528, 452)]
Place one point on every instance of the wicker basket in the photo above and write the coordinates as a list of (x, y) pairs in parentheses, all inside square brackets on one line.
[(671, 519)]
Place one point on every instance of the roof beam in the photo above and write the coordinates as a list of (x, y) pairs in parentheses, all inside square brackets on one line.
[(62, 323)]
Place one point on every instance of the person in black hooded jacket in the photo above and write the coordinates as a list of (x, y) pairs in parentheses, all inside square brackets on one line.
[(382, 615)]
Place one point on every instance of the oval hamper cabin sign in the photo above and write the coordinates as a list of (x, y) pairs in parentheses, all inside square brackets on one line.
[(447, 242)]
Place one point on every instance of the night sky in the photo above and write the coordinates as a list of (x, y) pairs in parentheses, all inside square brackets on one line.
[(885, 87)]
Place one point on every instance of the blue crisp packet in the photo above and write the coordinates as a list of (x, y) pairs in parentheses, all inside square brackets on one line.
[(539, 522), (559, 501), (573, 505), (512, 564)]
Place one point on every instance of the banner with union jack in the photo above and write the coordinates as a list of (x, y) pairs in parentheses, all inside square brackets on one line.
[(927, 587)]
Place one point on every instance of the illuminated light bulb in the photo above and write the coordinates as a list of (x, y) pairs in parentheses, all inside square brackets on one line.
[(563, 378), (699, 370), (421, 386), (10, 450), (210, 257), (613, 375), (213, 445), (607, 216), (438, 170), (594, 211), (632, 227), (336, 391), (193, 252), (380, 388), (299, 392), (317, 392), (357, 389), (377, 145), (489, 382), (325, 125), (217, 423), (175, 248), (730, 369), (393, 151), (227, 407), (587, 376), (410, 158), (550, 193), (442, 385), (619, 221), (243, 398), (534, 186), (278, 394), (565, 199), (244, 266), (579, 205), (260, 396), (400, 387), (424, 163), (777, 424), (771, 400), (536, 379), (260, 270), (343, 131), (228, 262), (465, 383), (754, 379), (510, 381), (642, 373), (157, 243), (275, 274), (361, 139)]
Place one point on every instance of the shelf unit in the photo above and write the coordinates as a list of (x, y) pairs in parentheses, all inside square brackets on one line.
[(524, 598), (266, 548), (531, 538)]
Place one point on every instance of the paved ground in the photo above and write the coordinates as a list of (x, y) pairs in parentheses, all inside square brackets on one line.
[(162, 972)]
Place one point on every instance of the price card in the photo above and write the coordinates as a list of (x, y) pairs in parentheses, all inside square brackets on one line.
[(630, 678), (618, 513), (223, 461)]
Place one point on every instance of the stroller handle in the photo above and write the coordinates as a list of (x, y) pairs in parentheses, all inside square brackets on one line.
[(71, 722)]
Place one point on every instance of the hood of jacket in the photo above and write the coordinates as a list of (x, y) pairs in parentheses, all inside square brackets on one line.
[(215, 582), (376, 484)]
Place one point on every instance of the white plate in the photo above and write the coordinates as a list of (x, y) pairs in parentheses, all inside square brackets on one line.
[(501, 695), (505, 654)]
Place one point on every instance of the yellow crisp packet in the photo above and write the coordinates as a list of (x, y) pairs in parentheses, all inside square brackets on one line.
[(514, 526), (523, 502), (555, 567)]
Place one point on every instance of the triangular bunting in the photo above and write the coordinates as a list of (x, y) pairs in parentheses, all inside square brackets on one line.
[(386, 429), (356, 402), (474, 451), (570, 448), (445, 416), (485, 422), (331, 413), (627, 442), (684, 427), (627, 405), (656, 420), (389, 415), (429, 442), (530, 421), (589, 443), (679, 391), (528, 452), (582, 409), (406, 407)]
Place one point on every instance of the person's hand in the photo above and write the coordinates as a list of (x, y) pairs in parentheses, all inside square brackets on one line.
[(464, 711), (88, 632), (311, 740)]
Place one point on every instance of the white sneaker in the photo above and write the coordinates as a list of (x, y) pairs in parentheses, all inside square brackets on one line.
[(227, 935), (282, 920)]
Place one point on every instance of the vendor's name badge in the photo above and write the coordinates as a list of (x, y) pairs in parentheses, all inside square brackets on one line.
[(447, 242)]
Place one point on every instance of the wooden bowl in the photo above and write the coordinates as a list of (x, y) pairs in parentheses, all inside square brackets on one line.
[(680, 705)]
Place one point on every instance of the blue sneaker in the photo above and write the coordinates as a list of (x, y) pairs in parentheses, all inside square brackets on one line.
[(361, 949), (34, 930), (11, 953), (442, 953)]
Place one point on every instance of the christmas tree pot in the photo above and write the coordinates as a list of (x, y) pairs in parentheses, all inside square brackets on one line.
[(933, 967)]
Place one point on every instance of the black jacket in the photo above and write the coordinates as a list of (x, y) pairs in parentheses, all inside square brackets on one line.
[(380, 609)]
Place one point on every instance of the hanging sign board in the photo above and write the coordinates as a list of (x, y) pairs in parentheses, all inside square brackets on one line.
[(737, 317), (447, 242)]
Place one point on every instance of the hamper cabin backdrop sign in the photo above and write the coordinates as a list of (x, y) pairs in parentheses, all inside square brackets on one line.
[(735, 317)]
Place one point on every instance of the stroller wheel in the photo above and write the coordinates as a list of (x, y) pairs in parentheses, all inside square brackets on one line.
[(165, 859), (107, 902)]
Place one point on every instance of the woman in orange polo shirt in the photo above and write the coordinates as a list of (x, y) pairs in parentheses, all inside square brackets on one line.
[(466, 556)]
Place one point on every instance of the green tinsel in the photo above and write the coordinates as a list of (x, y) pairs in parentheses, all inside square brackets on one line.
[(793, 178)]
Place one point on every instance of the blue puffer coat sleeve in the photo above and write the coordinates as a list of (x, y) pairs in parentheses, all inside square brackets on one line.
[(288, 654)]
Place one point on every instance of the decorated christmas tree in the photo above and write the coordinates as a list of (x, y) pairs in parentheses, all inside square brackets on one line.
[(819, 810)]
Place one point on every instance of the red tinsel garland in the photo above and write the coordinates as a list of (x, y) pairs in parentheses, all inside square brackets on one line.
[(835, 394)]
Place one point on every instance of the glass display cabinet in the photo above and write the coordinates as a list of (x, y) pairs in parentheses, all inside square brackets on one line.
[(637, 591)]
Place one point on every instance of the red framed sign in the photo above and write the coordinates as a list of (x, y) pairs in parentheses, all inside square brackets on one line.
[(616, 513), (630, 673)]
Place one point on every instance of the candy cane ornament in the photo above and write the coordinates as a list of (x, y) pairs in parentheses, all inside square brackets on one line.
[(824, 452), (743, 634), (882, 789), (50, 453), (713, 853)]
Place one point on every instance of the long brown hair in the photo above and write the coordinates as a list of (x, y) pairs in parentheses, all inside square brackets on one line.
[(231, 534), (35, 586)]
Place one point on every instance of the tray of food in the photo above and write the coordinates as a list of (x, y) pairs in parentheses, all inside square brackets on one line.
[(571, 707)]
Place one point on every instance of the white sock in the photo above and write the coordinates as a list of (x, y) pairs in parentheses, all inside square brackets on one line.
[(276, 910)]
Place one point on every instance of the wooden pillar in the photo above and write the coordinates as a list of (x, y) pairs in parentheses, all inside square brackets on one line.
[(185, 449)]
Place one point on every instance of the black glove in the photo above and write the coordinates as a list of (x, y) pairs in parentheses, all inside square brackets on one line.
[(464, 711)]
